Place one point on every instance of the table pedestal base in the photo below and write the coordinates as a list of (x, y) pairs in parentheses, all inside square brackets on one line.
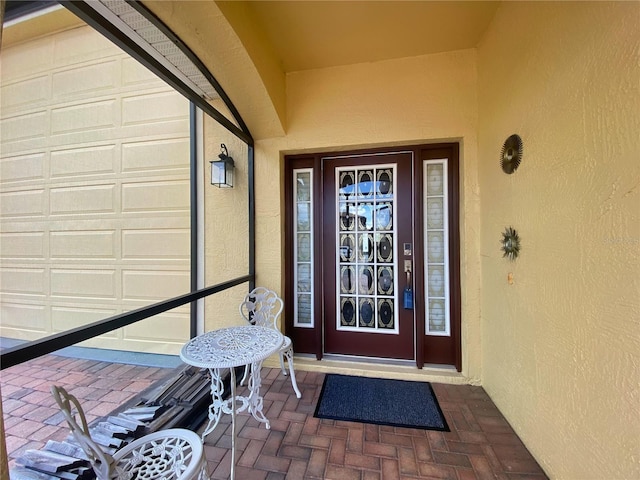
[(232, 347), (253, 403)]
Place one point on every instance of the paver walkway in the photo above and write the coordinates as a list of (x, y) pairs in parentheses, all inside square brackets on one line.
[(31, 416), (481, 444)]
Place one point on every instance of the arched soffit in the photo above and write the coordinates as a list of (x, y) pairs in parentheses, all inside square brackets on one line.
[(229, 44)]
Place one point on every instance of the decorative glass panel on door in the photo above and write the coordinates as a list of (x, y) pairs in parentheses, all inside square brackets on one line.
[(303, 246), (436, 241), (366, 240)]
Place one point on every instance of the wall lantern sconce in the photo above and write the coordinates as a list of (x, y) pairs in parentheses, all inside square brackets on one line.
[(222, 169)]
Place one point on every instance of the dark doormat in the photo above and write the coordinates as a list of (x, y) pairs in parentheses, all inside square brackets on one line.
[(398, 403)]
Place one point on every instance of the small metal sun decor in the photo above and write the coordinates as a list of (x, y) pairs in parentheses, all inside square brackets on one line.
[(511, 154), (510, 243)]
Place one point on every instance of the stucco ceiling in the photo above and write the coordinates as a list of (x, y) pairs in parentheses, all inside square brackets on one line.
[(318, 34)]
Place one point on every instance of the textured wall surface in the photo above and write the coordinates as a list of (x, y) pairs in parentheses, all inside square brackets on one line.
[(226, 229), (561, 344), (94, 191), (412, 100)]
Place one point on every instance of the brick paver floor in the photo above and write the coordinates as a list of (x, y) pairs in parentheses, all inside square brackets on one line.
[(480, 445), (31, 416)]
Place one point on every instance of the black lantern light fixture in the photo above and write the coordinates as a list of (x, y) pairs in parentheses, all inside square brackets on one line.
[(222, 169)]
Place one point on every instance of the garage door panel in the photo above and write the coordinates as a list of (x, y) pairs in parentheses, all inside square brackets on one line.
[(76, 46), (20, 127), (154, 285), (28, 61), (156, 196), (66, 318), (22, 167), (157, 244), (84, 117), (155, 155), (83, 199), (94, 79), (168, 327), (27, 94), (83, 244), (23, 280), (87, 283), (22, 203), (22, 245), (152, 108), (97, 159), (17, 317)]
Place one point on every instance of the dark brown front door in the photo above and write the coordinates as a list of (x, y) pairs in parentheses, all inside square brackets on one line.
[(367, 218), (362, 227)]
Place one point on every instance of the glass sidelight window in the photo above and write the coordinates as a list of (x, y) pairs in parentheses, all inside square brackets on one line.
[(436, 248), (366, 244), (303, 247)]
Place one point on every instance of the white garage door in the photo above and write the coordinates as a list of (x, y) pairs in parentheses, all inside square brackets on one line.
[(94, 192)]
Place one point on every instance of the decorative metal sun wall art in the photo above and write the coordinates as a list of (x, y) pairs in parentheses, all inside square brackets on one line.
[(511, 154), (510, 243)]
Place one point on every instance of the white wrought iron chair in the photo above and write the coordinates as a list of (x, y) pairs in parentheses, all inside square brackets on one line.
[(172, 454), (263, 307)]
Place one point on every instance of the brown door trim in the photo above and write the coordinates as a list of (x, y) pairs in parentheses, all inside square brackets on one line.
[(305, 340), (311, 340), (440, 350), (418, 248)]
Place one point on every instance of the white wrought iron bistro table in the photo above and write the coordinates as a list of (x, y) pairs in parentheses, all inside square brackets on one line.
[(228, 348)]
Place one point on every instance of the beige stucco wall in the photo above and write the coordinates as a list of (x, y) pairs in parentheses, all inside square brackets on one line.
[(412, 100), (406, 101), (226, 228), (560, 346)]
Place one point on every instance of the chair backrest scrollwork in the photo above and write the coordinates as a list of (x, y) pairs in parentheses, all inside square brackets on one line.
[(102, 463), (262, 307)]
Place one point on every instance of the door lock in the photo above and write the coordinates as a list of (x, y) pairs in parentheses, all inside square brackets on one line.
[(407, 294)]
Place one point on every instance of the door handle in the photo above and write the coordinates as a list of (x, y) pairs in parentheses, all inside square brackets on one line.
[(407, 266), (407, 294)]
